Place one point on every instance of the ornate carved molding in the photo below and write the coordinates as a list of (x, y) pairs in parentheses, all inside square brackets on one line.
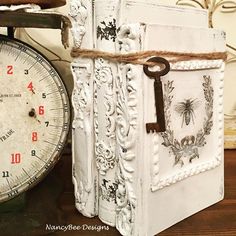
[(82, 104), (129, 39), (105, 157), (196, 65), (105, 152), (82, 101), (79, 14), (81, 193), (155, 163), (81, 97), (103, 75), (105, 108)]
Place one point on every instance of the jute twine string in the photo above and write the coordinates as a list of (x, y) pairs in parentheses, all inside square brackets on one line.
[(139, 58)]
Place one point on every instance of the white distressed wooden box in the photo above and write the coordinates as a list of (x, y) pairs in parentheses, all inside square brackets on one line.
[(138, 182)]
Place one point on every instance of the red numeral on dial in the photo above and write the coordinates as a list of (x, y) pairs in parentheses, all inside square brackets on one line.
[(15, 158), (34, 137), (30, 86), (41, 110), (10, 70)]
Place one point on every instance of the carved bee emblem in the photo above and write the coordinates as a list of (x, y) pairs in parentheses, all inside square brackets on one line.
[(186, 110)]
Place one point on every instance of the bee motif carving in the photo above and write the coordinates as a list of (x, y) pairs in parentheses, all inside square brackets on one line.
[(186, 110)]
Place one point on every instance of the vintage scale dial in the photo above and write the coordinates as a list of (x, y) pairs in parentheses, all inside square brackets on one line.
[(34, 117)]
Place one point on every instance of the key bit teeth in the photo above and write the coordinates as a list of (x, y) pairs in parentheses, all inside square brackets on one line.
[(152, 127)]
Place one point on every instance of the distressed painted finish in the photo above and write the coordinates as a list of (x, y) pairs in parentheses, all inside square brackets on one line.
[(105, 107), (153, 175), (128, 84), (189, 157), (84, 169)]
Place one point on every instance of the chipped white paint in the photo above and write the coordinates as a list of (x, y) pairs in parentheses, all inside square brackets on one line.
[(152, 181)]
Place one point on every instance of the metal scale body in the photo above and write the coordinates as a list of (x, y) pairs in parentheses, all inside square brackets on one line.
[(35, 108)]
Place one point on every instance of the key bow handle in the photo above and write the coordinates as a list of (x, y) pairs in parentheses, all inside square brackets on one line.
[(163, 70)]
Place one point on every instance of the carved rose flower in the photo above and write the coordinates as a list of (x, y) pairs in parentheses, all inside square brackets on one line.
[(103, 73), (124, 212), (127, 34), (105, 158)]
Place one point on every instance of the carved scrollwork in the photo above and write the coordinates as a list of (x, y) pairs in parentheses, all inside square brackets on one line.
[(125, 208), (103, 74), (79, 14), (84, 178), (105, 153), (126, 131), (82, 104), (105, 158), (81, 97)]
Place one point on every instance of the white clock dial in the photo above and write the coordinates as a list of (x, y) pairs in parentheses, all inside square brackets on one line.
[(34, 117)]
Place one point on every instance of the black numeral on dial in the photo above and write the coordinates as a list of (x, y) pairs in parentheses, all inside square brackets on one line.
[(5, 174)]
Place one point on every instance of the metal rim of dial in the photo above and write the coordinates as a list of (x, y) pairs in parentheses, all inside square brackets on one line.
[(29, 83)]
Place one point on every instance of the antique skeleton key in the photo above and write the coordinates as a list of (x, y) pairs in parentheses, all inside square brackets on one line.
[(159, 126)]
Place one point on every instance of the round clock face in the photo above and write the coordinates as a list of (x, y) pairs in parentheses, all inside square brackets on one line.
[(34, 117)]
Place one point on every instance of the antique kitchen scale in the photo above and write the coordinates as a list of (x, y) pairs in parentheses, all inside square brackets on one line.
[(35, 109)]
